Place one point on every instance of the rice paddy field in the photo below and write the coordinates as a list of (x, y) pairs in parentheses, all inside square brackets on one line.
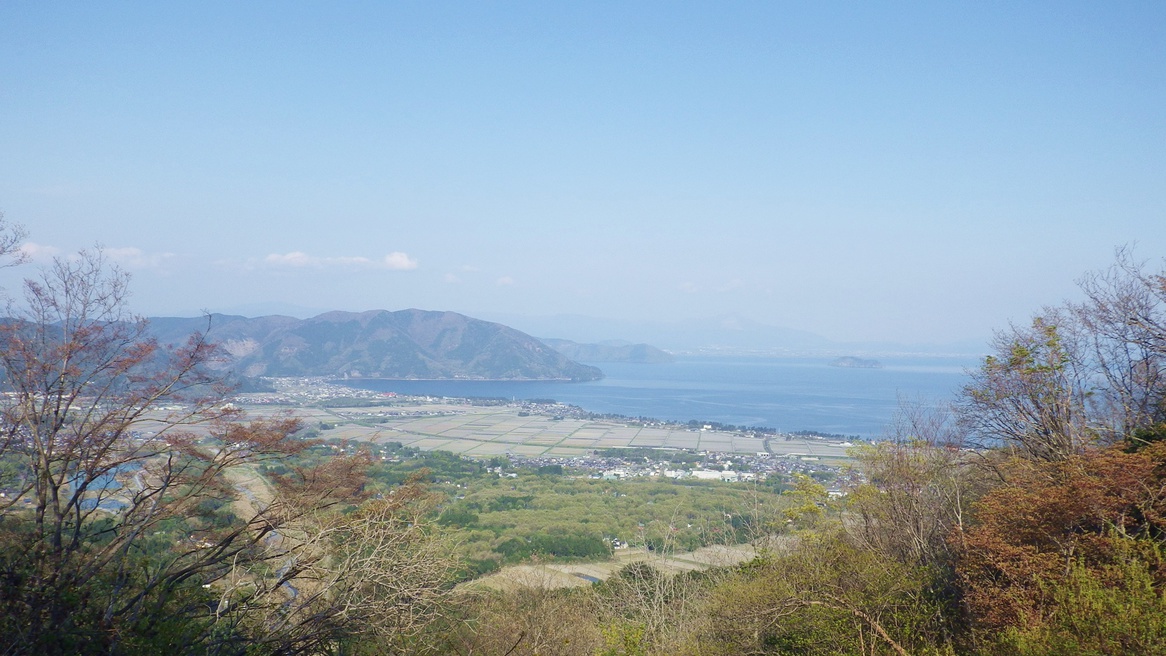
[(484, 431)]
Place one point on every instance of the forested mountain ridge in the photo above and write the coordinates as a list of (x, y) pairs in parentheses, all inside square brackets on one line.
[(408, 344)]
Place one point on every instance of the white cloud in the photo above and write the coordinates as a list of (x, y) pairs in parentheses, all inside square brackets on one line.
[(450, 278), (505, 280), (295, 259), (128, 257), (689, 288), (395, 261), (398, 261), (135, 258), (38, 252)]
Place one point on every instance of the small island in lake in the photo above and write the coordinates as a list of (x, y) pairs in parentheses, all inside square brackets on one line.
[(851, 362)]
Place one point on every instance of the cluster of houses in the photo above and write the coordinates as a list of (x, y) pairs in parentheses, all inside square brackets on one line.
[(712, 466), (302, 390), (723, 475)]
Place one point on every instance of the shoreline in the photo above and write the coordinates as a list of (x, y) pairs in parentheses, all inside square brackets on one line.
[(782, 394), (341, 381)]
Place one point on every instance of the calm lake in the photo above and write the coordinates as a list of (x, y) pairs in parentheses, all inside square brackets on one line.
[(789, 394)]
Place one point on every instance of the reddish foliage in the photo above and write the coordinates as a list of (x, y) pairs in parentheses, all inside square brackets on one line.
[(1052, 515), (340, 479)]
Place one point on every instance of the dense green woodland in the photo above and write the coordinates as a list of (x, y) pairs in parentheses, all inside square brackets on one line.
[(1027, 518)]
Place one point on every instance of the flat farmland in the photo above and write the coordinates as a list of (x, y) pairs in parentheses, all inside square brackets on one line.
[(495, 430)]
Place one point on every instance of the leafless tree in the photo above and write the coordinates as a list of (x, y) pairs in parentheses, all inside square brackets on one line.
[(1124, 320), (121, 527), (919, 485), (1081, 374), (11, 234)]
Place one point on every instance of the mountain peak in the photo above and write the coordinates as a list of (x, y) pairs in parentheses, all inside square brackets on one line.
[(406, 344)]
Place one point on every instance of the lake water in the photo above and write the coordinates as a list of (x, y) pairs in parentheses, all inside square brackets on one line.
[(788, 394)]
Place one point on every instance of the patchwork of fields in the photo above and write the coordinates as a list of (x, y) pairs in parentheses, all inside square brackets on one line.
[(497, 430)]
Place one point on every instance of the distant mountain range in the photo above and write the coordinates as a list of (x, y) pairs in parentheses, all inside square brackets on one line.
[(609, 352), (407, 344), (721, 335)]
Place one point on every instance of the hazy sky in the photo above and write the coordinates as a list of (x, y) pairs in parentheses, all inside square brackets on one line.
[(898, 171)]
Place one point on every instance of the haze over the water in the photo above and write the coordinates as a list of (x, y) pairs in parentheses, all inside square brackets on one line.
[(879, 172)]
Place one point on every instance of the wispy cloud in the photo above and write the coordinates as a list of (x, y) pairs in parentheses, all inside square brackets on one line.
[(398, 261), (451, 278), (135, 258), (38, 252), (395, 261), (127, 257), (505, 280), (301, 260)]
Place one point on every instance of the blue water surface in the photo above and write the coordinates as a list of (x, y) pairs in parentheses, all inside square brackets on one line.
[(788, 394)]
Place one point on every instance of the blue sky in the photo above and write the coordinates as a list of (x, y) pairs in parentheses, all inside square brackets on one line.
[(918, 172)]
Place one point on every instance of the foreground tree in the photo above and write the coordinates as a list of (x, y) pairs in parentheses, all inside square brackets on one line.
[(827, 595), (11, 235), (918, 487), (1032, 395), (133, 518), (1124, 319), (1080, 375), (1067, 557)]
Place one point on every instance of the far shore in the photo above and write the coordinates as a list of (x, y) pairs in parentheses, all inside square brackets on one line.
[(463, 380)]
